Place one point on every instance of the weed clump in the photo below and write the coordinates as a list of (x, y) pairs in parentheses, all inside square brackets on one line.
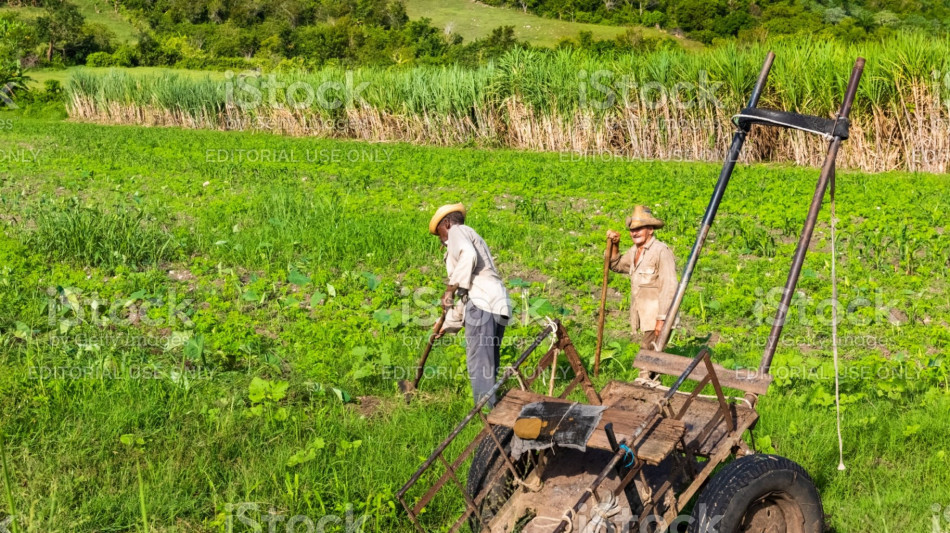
[(106, 239)]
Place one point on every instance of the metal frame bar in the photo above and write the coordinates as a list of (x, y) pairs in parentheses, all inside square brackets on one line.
[(436, 455), (827, 170), (738, 139), (653, 416), (548, 360)]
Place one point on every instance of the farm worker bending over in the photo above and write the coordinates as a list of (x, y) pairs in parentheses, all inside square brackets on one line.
[(474, 278), (652, 270)]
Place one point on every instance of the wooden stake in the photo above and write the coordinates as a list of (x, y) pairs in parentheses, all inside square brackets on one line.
[(603, 304)]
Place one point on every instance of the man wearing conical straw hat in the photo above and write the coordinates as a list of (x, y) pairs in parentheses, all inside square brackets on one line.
[(652, 270), (474, 279)]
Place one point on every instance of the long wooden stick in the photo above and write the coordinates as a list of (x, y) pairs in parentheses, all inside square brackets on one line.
[(603, 304), (425, 354)]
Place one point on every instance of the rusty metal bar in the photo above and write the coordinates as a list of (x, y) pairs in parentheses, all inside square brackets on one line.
[(570, 387), (468, 501), (427, 497), (711, 373), (412, 517), (548, 330), (499, 447), (738, 139), (689, 399), (593, 488), (798, 260), (689, 370)]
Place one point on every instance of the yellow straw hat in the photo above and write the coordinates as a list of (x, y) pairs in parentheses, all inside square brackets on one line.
[(440, 214), (642, 216)]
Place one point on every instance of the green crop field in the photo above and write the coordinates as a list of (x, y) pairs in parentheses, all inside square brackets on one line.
[(199, 324), (475, 20)]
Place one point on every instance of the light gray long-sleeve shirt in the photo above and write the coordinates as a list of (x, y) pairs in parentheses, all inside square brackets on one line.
[(470, 265)]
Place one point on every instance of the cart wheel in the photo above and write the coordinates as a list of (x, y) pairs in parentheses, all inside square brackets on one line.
[(759, 493), (486, 462)]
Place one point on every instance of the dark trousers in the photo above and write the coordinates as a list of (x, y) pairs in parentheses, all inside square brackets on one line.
[(483, 334)]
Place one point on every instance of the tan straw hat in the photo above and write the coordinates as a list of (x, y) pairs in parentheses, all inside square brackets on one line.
[(440, 214), (642, 216)]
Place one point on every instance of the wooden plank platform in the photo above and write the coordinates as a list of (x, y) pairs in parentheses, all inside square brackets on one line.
[(653, 445), (674, 365), (630, 397)]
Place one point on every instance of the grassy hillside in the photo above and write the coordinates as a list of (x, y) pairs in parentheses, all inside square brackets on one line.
[(62, 75), (248, 301), (474, 20), (94, 11)]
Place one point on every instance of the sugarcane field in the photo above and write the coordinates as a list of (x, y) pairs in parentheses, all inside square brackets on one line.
[(488, 266)]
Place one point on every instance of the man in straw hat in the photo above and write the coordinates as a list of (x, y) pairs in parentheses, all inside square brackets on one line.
[(652, 270), (474, 278)]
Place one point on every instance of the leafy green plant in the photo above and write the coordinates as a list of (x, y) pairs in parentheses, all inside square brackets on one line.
[(8, 485), (86, 235)]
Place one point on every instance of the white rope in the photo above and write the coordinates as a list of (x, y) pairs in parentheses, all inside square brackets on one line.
[(834, 327), (823, 134), (549, 322), (601, 515)]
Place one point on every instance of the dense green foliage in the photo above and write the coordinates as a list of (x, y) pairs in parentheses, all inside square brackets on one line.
[(808, 78), (52, 32), (706, 20), (646, 102), (287, 34), (234, 332)]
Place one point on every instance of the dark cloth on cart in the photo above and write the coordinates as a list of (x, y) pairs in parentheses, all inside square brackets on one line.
[(562, 424)]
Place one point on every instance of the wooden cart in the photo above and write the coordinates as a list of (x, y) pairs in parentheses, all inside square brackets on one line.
[(653, 448)]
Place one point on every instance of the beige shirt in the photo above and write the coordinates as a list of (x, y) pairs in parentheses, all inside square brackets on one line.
[(652, 283), (470, 266)]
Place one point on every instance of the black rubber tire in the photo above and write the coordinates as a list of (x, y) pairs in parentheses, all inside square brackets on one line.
[(755, 490), (486, 461)]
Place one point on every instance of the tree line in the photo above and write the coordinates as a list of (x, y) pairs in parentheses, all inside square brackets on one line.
[(711, 20)]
